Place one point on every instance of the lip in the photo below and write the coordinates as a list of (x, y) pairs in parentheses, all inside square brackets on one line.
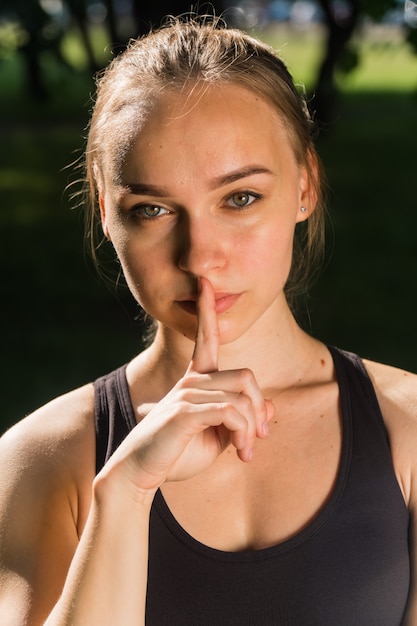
[(224, 302)]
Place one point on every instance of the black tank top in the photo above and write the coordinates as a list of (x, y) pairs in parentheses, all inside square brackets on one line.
[(349, 567)]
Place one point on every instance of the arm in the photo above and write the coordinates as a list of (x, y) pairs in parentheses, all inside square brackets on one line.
[(410, 616), (397, 396), (46, 476), (108, 576), (43, 505), (107, 569), (408, 442), (179, 438)]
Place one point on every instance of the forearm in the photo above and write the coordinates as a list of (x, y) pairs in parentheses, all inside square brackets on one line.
[(107, 580)]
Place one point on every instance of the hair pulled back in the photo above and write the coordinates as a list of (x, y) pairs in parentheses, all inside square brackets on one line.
[(204, 51)]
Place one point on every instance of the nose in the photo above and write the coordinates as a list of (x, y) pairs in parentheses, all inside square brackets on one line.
[(202, 246)]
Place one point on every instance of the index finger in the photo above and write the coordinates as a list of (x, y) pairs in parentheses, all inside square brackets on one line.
[(206, 352)]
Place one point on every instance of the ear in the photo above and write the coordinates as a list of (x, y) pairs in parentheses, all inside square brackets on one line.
[(103, 215), (309, 183)]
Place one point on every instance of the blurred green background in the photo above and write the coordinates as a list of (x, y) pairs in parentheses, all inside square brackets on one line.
[(62, 326)]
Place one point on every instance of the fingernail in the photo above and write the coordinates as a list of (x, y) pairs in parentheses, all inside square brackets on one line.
[(265, 429), (250, 454)]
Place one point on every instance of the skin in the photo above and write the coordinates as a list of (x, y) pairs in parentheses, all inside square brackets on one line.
[(237, 408), (162, 257)]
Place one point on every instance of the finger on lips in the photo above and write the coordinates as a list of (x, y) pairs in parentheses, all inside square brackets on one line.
[(248, 398), (206, 351)]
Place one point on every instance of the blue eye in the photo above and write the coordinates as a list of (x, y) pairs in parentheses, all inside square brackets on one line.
[(242, 199), (149, 211)]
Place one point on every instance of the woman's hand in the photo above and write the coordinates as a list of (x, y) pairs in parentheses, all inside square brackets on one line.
[(204, 413)]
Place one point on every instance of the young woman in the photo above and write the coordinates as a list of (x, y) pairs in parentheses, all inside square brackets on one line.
[(237, 471)]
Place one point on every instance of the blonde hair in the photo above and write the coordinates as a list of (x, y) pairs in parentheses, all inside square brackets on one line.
[(204, 51)]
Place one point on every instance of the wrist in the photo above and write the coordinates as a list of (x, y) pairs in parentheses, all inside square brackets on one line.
[(114, 489)]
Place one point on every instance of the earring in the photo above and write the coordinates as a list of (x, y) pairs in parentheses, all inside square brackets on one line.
[(303, 209)]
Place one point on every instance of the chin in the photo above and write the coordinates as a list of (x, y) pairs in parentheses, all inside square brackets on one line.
[(230, 328), (230, 332), (227, 334)]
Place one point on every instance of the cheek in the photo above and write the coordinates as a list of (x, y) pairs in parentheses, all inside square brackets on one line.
[(138, 269), (147, 271), (268, 252)]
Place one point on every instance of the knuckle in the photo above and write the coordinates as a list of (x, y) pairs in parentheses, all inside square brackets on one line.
[(188, 380), (245, 403), (183, 405), (227, 410), (184, 400), (246, 376)]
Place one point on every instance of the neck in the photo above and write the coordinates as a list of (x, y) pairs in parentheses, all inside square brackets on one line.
[(276, 349)]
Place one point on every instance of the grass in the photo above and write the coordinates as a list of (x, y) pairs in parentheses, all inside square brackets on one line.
[(386, 62), (62, 327)]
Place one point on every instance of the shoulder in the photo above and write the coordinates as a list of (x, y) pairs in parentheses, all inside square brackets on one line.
[(57, 423), (396, 391), (394, 387), (47, 465), (53, 448)]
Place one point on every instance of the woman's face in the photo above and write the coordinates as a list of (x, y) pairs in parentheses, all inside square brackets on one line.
[(209, 188)]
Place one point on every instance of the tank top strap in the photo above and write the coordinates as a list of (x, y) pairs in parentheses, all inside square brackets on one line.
[(115, 418), (113, 412), (357, 391)]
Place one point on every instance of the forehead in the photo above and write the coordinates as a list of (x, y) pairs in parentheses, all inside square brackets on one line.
[(207, 106), (204, 129)]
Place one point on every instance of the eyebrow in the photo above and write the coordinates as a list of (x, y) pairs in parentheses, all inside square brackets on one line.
[(146, 189), (244, 172)]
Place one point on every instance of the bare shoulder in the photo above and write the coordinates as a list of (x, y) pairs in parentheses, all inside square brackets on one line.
[(396, 390), (52, 435), (47, 465), (53, 449), (394, 385)]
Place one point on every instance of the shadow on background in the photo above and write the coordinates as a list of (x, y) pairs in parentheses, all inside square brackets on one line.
[(62, 327)]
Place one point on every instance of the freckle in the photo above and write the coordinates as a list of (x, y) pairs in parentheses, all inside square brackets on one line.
[(322, 415), (323, 362), (276, 422)]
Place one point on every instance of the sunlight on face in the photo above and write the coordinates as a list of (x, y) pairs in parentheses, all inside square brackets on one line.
[(210, 187)]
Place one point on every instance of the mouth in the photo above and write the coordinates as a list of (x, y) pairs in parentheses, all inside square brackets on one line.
[(224, 302)]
